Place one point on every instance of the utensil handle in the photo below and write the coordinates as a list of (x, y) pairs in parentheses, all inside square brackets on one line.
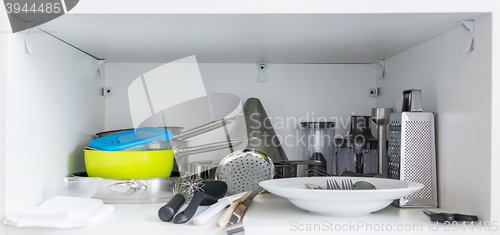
[(211, 211), (297, 162), (167, 212), (188, 213), (240, 211), (462, 217), (206, 147), (235, 229), (206, 128), (224, 218), (442, 217)]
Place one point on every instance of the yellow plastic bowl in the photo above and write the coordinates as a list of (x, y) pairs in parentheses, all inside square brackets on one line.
[(129, 165)]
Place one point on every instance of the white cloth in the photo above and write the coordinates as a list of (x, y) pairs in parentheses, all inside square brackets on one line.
[(61, 212)]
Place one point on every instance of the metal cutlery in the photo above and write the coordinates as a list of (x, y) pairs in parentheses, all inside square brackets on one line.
[(363, 185), (344, 185), (314, 186), (333, 185)]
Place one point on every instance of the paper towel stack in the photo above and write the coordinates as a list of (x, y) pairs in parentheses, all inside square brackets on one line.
[(61, 212)]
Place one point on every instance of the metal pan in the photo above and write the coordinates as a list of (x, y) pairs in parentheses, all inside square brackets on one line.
[(134, 191)]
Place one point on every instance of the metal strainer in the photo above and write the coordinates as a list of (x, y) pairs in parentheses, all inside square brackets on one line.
[(243, 170)]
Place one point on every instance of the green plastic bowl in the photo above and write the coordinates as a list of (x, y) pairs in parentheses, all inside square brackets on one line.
[(129, 165)]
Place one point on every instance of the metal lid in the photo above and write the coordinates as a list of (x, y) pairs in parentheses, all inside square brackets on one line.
[(317, 124)]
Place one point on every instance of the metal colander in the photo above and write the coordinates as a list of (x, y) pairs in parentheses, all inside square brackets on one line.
[(243, 170)]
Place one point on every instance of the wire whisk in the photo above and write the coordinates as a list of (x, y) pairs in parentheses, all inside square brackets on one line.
[(188, 185)]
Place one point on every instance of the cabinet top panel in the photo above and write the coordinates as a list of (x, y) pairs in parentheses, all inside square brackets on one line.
[(251, 38)]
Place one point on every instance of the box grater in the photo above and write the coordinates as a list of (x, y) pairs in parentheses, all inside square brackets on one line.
[(412, 151)]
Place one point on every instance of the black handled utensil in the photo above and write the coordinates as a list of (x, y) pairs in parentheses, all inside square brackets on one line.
[(167, 212), (450, 217), (184, 189), (212, 192)]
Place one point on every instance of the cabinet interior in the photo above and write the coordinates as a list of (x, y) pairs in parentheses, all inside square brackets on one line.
[(321, 65)]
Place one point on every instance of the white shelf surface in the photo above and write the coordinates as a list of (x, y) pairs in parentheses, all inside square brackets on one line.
[(266, 213)]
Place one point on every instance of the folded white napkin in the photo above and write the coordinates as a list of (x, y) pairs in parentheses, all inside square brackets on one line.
[(61, 212)]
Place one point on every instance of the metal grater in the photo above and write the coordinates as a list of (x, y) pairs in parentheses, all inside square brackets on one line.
[(412, 156)]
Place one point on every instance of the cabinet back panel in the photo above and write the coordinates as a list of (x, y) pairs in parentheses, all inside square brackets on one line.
[(299, 92)]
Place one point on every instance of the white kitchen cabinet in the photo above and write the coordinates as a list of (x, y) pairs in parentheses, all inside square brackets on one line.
[(320, 61)]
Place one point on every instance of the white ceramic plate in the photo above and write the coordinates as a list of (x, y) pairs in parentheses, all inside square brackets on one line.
[(340, 202)]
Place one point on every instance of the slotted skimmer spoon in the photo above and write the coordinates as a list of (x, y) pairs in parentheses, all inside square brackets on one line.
[(242, 171)]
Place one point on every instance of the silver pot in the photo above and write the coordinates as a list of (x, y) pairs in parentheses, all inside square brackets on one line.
[(203, 169), (134, 191)]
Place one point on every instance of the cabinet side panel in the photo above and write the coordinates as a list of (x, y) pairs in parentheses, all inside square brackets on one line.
[(54, 107), (4, 48), (456, 86)]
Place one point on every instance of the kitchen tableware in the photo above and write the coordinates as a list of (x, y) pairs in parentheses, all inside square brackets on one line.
[(212, 210), (183, 191), (289, 168), (174, 129), (196, 131), (134, 191), (360, 185), (209, 194), (339, 202), (129, 165), (412, 150), (203, 169), (261, 136), (224, 218), (319, 145), (356, 156), (139, 139), (242, 170), (381, 117), (131, 138), (358, 151), (314, 186), (354, 174), (71, 186), (235, 224), (360, 129), (154, 145), (141, 164), (316, 171), (363, 185), (260, 131), (333, 185), (412, 101), (442, 217)]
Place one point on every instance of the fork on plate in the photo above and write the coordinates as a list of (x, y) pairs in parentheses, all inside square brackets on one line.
[(345, 185)]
